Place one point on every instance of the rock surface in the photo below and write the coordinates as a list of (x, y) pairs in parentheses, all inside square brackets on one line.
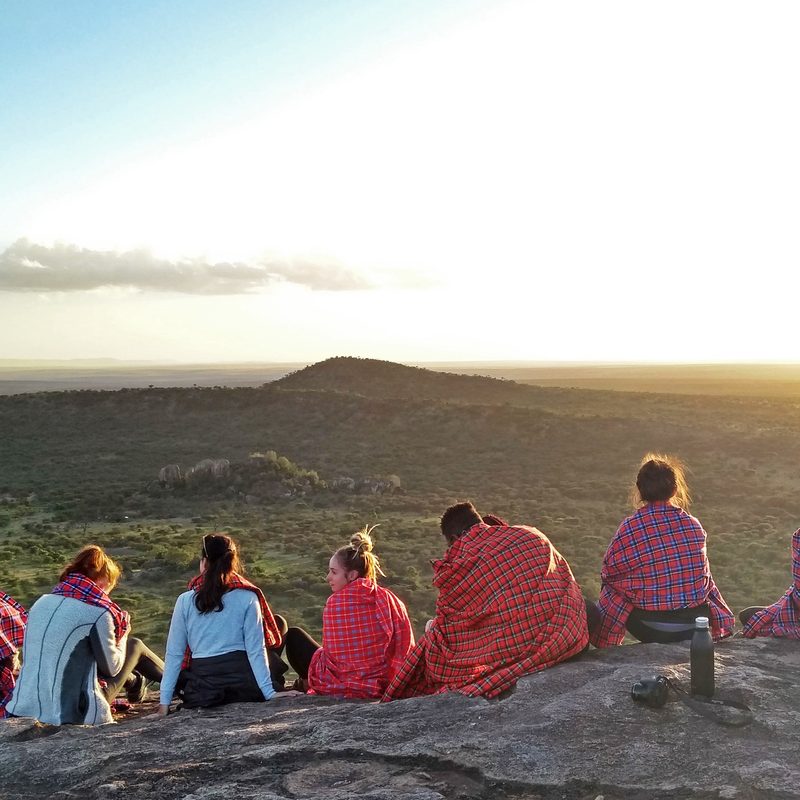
[(571, 732)]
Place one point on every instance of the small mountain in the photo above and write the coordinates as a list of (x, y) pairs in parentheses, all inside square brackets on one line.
[(387, 379)]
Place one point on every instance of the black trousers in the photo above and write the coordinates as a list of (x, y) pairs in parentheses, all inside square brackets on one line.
[(138, 658), (639, 627), (300, 648), (219, 679)]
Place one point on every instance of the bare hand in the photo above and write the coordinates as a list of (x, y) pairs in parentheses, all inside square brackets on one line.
[(287, 693), (160, 714)]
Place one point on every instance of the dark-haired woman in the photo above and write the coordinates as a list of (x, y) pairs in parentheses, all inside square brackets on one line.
[(75, 637), (366, 632), (219, 634), (656, 579)]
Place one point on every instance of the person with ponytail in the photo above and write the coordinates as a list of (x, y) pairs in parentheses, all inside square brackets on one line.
[(656, 579), (219, 635), (366, 632), (77, 653)]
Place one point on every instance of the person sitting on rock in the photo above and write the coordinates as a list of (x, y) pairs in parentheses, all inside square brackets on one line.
[(219, 634), (13, 617), (78, 654), (366, 632), (782, 618), (508, 606), (656, 578)]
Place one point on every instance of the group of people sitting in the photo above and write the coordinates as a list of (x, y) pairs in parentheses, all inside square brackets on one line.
[(508, 605)]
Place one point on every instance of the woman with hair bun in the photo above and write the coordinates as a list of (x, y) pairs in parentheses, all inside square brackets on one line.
[(219, 634), (656, 579), (366, 632), (76, 637)]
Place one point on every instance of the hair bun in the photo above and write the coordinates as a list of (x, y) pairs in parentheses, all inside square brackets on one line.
[(362, 540)]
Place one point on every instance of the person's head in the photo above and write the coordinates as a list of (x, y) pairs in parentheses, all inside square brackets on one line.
[(219, 559), (457, 519), (93, 563), (354, 561), (661, 479)]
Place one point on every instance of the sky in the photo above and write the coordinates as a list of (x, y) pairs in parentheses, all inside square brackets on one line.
[(414, 180)]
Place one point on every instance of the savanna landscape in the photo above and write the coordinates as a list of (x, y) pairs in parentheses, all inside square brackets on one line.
[(310, 458)]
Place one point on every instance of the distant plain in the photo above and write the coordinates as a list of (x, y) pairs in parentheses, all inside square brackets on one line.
[(79, 466)]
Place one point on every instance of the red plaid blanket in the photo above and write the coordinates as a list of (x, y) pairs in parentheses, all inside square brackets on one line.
[(508, 605), (81, 588), (366, 635), (783, 617), (12, 630), (657, 562), (272, 635)]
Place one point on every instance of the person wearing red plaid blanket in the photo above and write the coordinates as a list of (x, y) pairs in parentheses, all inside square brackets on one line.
[(77, 654), (782, 618), (508, 606), (366, 632), (12, 630), (656, 578), (220, 631)]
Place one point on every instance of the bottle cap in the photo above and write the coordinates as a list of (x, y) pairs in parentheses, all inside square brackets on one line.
[(701, 622)]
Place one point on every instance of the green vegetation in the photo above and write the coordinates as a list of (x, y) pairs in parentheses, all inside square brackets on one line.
[(83, 466)]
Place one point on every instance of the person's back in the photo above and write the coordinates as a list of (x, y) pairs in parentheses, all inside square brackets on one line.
[(508, 606), (366, 634), (65, 642), (656, 578)]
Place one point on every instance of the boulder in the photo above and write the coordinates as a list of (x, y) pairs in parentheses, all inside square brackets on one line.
[(571, 732)]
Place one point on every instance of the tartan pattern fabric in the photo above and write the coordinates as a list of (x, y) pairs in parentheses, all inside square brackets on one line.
[(657, 561), (12, 630), (79, 587), (272, 635), (366, 635), (782, 618), (12, 625), (508, 606)]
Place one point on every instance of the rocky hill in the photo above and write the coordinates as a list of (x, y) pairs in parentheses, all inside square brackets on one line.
[(570, 733)]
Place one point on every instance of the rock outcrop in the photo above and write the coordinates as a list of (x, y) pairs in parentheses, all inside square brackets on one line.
[(570, 732)]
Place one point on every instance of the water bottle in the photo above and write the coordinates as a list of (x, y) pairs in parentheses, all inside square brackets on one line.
[(702, 659)]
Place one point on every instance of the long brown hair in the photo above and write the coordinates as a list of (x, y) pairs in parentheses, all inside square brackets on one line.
[(93, 563), (661, 478), (222, 560), (358, 555)]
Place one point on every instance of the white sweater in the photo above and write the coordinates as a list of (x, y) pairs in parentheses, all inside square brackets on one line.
[(66, 640)]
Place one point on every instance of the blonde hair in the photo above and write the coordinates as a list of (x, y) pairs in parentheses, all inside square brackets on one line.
[(358, 555), (661, 478), (93, 563)]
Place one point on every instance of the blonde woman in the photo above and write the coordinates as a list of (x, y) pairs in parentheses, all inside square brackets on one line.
[(366, 632)]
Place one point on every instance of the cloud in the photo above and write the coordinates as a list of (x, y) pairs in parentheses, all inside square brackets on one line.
[(29, 267)]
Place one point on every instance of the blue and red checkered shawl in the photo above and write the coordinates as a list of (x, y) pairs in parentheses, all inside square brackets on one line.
[(783, 617), (79, 587), (657, 561), (366, 635), (13, 618), (508, 605)]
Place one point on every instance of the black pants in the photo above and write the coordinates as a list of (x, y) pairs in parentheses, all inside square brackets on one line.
[(219, 679), (638, 626), (300, 648), (138, 658), (746, 613)]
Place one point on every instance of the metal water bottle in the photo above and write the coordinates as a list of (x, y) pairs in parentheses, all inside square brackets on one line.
[(702, 659)]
